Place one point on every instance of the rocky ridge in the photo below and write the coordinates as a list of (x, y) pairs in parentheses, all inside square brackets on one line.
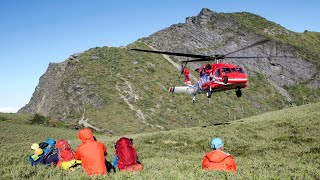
[(59, 93)]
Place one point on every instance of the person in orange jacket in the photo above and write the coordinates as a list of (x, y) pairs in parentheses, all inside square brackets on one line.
[(217, 159), (91, 153)]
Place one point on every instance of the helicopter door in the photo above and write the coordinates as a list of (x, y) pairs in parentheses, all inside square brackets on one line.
[(217, 73)]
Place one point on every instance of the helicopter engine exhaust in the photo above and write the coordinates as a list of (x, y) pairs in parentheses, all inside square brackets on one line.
[(183, 89)]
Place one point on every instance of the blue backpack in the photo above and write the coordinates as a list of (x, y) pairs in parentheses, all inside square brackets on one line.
[(48, 157), (48, 148)]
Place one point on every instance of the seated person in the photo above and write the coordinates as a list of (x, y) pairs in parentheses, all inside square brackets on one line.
[(217, 159), (126, 158), (91, 153), (109, 166)]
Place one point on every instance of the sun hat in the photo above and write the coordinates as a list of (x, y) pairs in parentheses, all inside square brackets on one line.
[(34, 146)]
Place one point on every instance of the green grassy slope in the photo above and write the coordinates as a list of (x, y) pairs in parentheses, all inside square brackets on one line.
[(302, 94), (283, 144), (29, 118), (143, 80), (18, 118)]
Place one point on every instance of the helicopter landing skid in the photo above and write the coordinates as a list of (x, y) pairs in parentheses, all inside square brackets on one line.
[(193, 99)]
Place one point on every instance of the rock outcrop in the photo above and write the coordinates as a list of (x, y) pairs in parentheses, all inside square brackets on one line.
[(59, 93)]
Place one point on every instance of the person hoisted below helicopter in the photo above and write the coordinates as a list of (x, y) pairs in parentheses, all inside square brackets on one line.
[(206, 75)]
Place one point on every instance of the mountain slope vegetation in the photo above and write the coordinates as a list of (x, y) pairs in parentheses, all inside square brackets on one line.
[(282, 144)]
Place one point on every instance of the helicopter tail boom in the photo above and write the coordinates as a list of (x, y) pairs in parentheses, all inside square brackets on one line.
[(183, 89)]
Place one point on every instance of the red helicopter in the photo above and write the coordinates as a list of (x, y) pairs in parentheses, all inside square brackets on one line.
[(214, 77)]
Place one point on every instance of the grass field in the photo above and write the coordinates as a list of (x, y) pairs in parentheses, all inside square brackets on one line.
[(282, 144)]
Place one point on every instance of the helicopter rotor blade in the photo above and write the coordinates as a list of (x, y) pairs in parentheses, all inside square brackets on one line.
[(250, 46), (252, 57), (172, 53), (214, 57), (210, 58)]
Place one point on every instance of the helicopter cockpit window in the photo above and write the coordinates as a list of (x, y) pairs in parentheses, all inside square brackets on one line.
[(218, 73), (240, 70), (233, 70), (226, 70)]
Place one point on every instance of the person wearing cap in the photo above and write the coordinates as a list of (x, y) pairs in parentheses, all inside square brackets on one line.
[(217, 159), (91, 153)]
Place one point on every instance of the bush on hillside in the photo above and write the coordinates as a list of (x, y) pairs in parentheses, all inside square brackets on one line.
[(3, 118), (39, 119)]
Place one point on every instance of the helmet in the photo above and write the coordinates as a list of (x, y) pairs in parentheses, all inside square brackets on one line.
[(38, 151), (216, 143), (34, 146), (208, 67)]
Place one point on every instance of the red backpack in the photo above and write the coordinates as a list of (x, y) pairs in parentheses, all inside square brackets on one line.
[(127, 154), (65, 151)]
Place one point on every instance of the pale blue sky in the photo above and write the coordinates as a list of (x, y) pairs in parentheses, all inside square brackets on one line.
[(36, 32)]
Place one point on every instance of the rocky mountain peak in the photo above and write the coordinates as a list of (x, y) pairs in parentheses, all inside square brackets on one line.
[(205, 12), (205, 16)]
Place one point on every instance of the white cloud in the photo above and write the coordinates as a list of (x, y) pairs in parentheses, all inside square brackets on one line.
[(9, 109)]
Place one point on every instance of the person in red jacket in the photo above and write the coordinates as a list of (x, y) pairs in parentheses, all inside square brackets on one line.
[(217, 159), (91, 153)]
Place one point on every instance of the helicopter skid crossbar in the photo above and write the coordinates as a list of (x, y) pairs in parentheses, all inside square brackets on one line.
[(229, 86)]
